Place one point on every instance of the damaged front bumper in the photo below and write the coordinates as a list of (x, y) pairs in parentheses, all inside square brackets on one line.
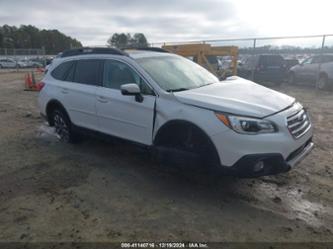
[(255, 165)]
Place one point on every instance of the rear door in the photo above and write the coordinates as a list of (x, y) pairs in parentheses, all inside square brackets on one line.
[(120, 115), (77, 83), (313, 67), (81, 93)]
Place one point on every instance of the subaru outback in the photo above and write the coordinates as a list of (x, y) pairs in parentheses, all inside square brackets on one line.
[(177, 108)]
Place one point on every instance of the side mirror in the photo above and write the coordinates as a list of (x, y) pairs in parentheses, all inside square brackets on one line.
[(132, 89)]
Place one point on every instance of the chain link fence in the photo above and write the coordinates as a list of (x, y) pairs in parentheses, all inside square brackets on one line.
[(288, 45), (23, 59), (295, 50)]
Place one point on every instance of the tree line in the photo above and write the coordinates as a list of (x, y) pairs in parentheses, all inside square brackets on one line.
[(53, 41), (28, 36)]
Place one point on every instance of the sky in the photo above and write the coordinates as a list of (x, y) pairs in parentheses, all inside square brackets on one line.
[(93, 21)]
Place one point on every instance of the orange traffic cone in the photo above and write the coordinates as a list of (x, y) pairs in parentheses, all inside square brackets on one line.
[(30, 82), (33, 79)]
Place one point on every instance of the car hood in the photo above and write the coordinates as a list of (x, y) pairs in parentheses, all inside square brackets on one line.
[(238, 96)]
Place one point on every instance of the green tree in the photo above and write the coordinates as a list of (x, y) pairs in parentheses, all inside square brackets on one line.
[(122, 40), (118, 40), (140, 40), (28, 36)]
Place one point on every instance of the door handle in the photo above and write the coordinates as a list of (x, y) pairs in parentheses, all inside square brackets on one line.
[(102, 99)]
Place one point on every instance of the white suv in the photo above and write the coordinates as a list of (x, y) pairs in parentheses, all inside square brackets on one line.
[(177, 108)]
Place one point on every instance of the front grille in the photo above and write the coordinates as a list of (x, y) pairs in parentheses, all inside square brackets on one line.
[(298, 123)]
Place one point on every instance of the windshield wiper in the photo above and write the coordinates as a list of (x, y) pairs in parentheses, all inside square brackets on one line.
[(177, 89), (205, 85)]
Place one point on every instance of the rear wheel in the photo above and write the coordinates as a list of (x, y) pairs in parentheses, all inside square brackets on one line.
[(63, 126)]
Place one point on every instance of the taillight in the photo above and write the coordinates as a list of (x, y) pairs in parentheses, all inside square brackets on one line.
[(40, 85)]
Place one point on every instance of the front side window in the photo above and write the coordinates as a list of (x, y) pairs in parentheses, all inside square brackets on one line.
[(175, 73), (117, 73), (88, 71), (307, 61)]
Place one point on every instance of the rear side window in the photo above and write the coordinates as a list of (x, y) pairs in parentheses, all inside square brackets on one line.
[(61, 72), (88, 72)]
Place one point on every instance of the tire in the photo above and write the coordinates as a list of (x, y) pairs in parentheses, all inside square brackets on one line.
[(322, 83), (291, 78), (63, 126)]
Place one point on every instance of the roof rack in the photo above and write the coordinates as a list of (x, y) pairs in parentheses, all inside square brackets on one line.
[(154, 49), (88, 50)]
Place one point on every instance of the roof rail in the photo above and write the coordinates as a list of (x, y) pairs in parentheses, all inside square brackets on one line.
[(88, 50), (154, 49)]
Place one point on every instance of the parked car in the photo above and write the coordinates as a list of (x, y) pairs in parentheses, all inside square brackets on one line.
[(263, 68), (36, 62), (23, 63), (176, 108), (8, 63), (316, 69), (289, 63)]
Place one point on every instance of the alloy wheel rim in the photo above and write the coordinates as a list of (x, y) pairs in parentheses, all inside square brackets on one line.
[(61, 128)]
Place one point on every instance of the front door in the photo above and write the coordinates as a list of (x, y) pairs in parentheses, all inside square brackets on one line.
[(305, 70), (120, 115)]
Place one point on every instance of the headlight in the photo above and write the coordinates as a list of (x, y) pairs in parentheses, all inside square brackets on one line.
[(246, 125)]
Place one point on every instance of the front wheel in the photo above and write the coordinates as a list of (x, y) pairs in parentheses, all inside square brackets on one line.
[(63, 127)]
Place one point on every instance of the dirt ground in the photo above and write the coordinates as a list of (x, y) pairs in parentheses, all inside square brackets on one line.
[(100, 191)]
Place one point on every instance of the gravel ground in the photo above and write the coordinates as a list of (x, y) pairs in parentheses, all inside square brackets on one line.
[(100, 191)]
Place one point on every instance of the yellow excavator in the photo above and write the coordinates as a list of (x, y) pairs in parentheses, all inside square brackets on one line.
[(208, 56)]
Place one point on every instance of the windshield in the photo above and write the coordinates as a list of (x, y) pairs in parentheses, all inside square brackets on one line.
[(175, 73)]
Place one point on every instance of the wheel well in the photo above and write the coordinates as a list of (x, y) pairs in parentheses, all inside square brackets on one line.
[(51, 106), (174, 132)]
